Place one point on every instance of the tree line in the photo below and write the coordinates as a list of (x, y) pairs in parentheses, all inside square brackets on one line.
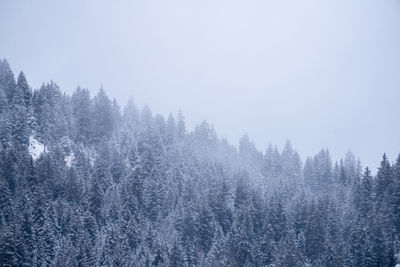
[(125, 187)]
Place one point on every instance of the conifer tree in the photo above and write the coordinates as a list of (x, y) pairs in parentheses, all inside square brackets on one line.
[(22, 85), (82, 114), (7, 80), (383, 178), (20, 130), (103, 114)]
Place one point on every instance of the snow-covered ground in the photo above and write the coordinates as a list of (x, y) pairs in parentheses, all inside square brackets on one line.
[(69, 159), (36, 148)]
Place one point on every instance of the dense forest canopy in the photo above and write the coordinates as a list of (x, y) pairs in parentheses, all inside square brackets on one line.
[(83, 183)]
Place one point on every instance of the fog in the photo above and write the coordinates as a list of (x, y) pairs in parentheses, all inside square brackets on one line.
[(319, 73)]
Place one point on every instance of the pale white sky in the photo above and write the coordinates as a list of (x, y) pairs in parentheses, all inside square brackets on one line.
[(320, 73)]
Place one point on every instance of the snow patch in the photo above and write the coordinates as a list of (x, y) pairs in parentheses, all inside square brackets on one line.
[(69, 159), (36, 148)]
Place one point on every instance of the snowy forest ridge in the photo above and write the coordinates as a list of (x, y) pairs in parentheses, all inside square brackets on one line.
[(84, 184)]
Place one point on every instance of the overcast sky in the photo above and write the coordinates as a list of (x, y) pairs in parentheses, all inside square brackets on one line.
[(319, 73)]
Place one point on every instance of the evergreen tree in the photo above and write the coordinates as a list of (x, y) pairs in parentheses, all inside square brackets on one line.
[(176, 255), (396, 195), (6, 214), (8, 254), (22, 85), (216, 254), (218, 202), (44, 239), (383, 178), (205, 227), (240, 240), (103, 114), (7, 80), (180, 126), (96, 201), (82, 115), (314, 234), (20, 130), (363, 196)]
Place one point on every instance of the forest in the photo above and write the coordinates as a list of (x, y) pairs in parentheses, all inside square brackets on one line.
[(84, 182)]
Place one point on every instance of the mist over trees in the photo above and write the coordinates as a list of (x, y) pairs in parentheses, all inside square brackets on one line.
[(84, 183)]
